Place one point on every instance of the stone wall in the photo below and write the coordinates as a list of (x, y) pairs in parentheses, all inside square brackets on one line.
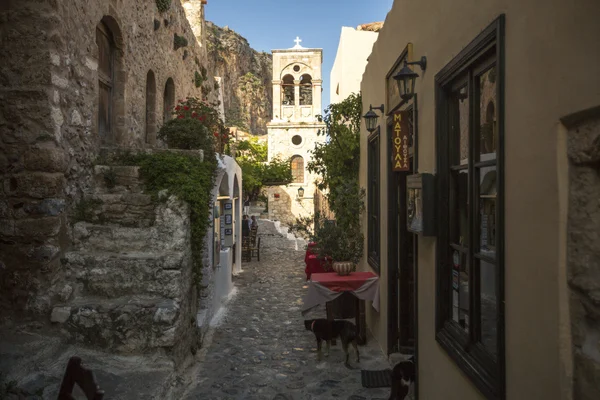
[(49, 94), (584, 251)]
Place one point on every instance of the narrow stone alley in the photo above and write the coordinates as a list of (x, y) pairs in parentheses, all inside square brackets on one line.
[(260, 350)]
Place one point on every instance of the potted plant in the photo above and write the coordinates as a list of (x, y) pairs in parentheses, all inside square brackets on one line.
[(342, 244)]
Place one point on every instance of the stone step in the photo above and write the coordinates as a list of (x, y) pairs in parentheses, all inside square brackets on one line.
[(125, 324), (133, 273), (126, 209), (117, 179), (115, 238)]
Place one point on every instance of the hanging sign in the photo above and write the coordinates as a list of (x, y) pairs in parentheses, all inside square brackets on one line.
[(400, 132)]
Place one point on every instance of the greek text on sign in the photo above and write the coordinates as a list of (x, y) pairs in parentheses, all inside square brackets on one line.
[(400, 132)]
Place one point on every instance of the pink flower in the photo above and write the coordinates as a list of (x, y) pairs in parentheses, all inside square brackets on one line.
[(186, 108), (180, 116), (177, 108)]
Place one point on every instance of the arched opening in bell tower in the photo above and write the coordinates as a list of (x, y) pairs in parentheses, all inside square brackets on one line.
[(287, 93), (305, 90)]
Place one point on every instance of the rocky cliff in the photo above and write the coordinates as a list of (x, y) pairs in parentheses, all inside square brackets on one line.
[(246, 78)]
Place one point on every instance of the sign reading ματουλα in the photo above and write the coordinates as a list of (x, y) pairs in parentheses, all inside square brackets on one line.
[(400, 132)]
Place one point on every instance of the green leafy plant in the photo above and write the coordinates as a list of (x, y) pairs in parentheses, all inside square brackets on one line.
[(251, 155), (163, 5), (191, 179), (337, 162), (198, 79), (197, 125), (334, 241), (179, 41)]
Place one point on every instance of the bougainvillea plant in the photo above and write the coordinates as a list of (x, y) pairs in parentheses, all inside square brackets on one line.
[(210, 124)]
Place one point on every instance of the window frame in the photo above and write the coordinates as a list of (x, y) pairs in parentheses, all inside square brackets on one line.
[(301, 174), (373, 200), (486, 372)]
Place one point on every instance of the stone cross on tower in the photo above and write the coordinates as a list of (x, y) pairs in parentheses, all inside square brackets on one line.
[(297, 41)]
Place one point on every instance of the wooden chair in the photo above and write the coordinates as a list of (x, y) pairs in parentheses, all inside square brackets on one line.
[(247, 248), (83, 377), (255, 250)]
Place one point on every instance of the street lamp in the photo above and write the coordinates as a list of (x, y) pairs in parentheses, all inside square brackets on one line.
[(300, 191), (405, 78), (371, 117)]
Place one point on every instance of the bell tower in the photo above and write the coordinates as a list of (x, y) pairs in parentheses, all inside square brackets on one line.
[(292, 133)]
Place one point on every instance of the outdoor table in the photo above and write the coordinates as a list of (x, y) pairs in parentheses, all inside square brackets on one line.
[(325, 287)]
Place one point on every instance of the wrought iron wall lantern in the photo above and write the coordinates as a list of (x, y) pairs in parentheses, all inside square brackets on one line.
[(300, 192), (371, 117), (405, 78)]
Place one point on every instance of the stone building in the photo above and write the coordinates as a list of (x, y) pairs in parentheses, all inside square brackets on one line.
[(80, 78), (293, 131), (496, 292)]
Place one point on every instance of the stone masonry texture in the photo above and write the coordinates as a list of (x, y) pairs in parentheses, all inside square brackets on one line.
[(260, 348), (584, 254), (49, 112), (257, 349)]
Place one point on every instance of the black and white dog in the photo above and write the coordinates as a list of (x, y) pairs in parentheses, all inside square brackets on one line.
[(328, 330), (403, 378)]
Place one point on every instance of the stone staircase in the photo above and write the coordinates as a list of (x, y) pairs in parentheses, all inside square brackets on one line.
[(130, 269)]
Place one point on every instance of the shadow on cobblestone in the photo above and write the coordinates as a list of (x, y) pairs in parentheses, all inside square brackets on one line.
[(260, 350)]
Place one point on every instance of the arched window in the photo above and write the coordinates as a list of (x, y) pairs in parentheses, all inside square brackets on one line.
[(106, 50), (305, 90), (169, 99), (287, 93), (298, 169), (150, 108)]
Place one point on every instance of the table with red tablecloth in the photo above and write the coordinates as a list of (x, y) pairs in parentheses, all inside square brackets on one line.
[(325, 287), (312, 261)]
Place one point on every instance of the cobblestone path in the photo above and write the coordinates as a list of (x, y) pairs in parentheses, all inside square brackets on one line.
[(260, 350)]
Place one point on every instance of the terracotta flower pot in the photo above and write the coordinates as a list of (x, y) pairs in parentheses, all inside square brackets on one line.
[(343, 267)]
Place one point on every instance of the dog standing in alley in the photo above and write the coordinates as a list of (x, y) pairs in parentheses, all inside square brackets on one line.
[(327, 330), (403, 378)]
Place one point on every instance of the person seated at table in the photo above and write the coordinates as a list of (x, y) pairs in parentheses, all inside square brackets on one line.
[(254, 222), (245, 226)]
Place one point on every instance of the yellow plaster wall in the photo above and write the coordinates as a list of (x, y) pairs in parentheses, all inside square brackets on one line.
[(552, 63)]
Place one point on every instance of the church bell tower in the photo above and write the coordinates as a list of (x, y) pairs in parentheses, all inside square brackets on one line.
[(292, 133)]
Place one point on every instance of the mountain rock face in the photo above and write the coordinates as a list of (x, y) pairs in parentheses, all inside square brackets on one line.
[(246, 78)]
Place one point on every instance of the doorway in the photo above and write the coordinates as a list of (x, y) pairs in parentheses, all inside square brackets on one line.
[(402, 252)]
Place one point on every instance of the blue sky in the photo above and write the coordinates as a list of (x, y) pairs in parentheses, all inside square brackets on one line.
[(274, 24)]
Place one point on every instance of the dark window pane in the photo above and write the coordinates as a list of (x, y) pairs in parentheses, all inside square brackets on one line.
[(104, 43), (459, 207), (459, 126), (487, 115), (460, 289), (298, 169), (487, 211), (488, 306), (103, 110), (305, 90), (288, 91), (169, 100)]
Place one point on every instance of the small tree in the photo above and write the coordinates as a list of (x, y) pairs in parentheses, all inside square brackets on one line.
[(337, 163), (257, 172)]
